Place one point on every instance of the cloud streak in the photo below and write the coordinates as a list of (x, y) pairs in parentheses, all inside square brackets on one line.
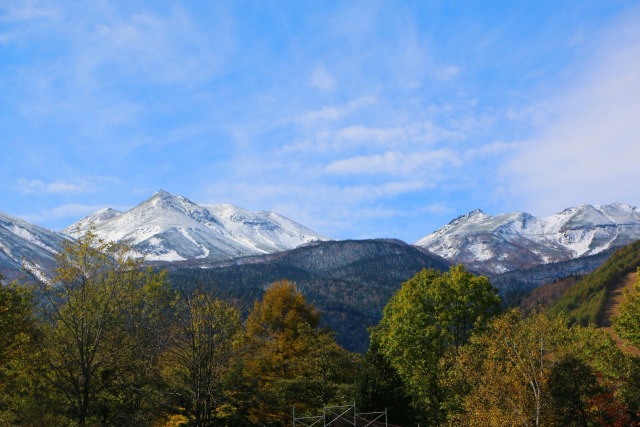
[(396, 163), (588, 150), (85, 185)]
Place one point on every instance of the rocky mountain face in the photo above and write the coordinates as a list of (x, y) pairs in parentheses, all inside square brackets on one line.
[(172, 228), (26, 249), (498, 244)]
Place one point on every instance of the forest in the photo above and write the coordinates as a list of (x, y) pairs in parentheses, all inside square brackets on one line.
[(114, 343)]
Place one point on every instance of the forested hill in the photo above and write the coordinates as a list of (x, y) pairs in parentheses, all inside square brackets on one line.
[(349, 281), (584, 302)]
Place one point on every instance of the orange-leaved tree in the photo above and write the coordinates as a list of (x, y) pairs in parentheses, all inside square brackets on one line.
[(293, 361)]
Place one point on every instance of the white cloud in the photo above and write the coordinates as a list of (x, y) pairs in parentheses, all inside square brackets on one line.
[(447, 72), (395, 163), (26, 10), (64, 215), (36, 186), (589, 151), (334, 113)]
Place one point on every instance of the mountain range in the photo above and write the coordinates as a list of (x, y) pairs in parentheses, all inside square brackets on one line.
[(171, 229), (350, 281), (239, 253), (498, 244)]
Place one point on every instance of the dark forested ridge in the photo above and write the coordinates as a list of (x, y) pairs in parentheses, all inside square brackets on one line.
[(349, 281), (517, 284)]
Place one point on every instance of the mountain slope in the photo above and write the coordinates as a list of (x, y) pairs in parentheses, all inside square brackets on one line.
[(173, 228), (498, 244), (584, 302), (350, 281), (27, 249)]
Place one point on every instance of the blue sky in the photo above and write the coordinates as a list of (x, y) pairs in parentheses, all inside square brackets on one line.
[(356, 118)]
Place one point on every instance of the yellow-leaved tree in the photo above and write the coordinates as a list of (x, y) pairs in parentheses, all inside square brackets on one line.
[(291, 360)]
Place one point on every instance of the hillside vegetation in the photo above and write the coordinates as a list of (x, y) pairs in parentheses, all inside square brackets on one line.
[(584, 303), (349, 281), (115, 344)]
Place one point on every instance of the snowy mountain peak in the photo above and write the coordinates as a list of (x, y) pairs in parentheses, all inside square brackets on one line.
[(169, 227), (475, 215), (495, 244), (93, 220)]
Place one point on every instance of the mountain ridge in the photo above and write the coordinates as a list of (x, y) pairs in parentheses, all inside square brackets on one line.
[(169, 228), (27, 249), (518, 240)]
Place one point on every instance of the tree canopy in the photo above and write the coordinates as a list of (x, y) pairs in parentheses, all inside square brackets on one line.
[(431, 314)]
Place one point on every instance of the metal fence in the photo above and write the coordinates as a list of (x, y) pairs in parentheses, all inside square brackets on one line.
[(342, 416)]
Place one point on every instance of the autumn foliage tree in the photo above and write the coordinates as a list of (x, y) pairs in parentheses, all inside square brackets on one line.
[(292, 361), (536, 371), (627, 323), (102, 333), (17, 334)]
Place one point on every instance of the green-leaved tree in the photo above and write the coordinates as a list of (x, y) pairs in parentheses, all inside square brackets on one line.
[(431, 314), (105, 325)]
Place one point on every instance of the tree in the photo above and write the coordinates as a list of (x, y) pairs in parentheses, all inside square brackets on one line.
[(17, 334), (291, 360), (533, 371), (205, 345), (379, 386), (430, 315), (16, 320), (105, 326)]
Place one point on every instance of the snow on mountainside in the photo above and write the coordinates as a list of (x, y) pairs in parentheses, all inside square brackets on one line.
[(25, 247), (173, 228), (95, 219), (496, 244)]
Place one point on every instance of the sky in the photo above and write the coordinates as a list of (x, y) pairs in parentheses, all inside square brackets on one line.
[(358, 119)]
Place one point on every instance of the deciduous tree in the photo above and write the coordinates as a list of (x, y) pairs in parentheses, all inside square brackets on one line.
[(627, 323), (293, 361), (431, 314), (104, 330), (205, 345)]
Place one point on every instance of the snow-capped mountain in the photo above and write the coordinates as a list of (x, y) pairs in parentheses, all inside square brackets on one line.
[(167, 227), (95, 219), (27, 248), (496, 244)]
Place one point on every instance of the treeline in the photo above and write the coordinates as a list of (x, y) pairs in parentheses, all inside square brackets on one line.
[(114, 344)]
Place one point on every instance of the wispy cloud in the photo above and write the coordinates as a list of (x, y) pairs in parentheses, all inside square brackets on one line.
[(26, 10), (359, 135), (62, 212), (396, 163), (588, 150), (85, 185), (333, 113)]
